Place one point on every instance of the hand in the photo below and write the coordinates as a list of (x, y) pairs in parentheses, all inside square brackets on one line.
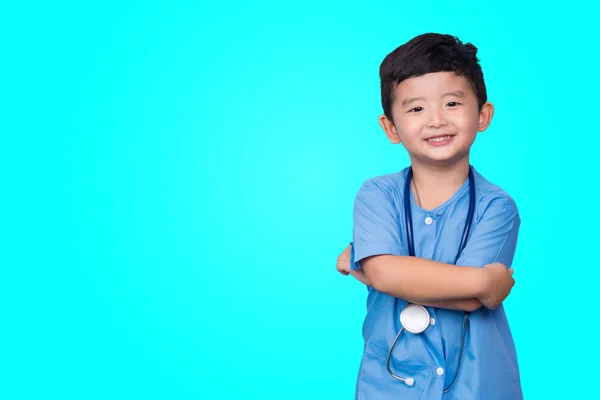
[(498, 283), (343, 261), (343, 267)]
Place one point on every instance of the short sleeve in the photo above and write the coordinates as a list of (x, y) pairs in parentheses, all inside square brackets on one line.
[(376, 230), (494, 238)]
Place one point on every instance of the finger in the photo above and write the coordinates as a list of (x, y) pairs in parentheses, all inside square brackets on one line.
[(342, 268), (345, 253), (343, 272), (511, 271)]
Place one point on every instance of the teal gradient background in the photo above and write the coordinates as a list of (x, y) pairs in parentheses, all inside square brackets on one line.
[(178, 180)]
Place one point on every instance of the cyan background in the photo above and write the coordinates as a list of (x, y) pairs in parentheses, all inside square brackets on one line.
[(178, 179)]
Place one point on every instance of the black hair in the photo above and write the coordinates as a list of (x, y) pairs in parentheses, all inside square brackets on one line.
[(427, 53)]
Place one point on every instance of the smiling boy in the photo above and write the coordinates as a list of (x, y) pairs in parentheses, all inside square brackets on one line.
[(434, 104)]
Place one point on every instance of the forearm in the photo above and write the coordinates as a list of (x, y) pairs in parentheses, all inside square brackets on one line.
[(422, 280), (456, 304), (469, 305)]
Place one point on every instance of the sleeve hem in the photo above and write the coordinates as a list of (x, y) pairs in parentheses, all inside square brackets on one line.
[(361, 251)]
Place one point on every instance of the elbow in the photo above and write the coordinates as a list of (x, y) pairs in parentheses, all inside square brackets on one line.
[(379, 285), (377, 273)]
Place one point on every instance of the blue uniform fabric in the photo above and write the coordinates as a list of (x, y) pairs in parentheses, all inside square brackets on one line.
[(489, 368)]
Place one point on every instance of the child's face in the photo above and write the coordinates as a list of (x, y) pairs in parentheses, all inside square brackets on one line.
[(436, 118)]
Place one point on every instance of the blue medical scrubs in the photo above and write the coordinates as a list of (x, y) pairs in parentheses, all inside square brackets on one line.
[(489, 368)]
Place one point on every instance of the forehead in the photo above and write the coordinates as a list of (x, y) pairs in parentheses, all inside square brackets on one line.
[(434, 84)]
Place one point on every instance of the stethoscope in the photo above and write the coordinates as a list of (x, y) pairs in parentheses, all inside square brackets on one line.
[(415, 318)]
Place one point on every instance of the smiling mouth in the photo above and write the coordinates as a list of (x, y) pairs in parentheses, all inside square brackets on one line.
[(440, 138)]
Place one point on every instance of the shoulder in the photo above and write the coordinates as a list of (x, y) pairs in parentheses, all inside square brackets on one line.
[(492, 198), (388, 184), (384, 191)]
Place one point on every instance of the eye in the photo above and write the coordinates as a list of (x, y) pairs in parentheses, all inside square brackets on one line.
[(416, 109), (452, 104)]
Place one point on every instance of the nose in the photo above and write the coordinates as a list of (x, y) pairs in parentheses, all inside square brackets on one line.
[(437, 119)]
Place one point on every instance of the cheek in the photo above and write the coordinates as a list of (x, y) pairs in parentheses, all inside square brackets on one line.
[(467, 122), (410, 127)]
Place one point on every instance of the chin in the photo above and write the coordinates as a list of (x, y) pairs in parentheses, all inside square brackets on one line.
[(444, 159)]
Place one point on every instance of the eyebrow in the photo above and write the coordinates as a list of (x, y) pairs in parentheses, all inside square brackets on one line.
[(409, 100), (456, 93)]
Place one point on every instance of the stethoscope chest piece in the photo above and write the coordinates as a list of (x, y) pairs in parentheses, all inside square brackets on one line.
[(414, 318)]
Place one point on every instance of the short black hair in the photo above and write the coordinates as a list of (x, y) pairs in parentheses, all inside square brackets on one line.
[(427, 53)]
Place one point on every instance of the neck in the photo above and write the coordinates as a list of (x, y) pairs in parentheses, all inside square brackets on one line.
[(436, 184)]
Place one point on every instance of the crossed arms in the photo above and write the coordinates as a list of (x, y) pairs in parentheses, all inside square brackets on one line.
[(481, 276)]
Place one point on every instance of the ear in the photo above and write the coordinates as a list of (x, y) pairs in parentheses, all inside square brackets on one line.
[(389, 129), (485, 116)]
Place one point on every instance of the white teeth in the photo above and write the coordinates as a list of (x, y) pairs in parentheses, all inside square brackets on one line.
[(438, 139)]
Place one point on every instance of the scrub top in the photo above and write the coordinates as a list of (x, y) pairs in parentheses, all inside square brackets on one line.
[(489, 369)]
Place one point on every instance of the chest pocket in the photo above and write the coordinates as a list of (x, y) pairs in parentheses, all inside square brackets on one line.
[(375, 382)]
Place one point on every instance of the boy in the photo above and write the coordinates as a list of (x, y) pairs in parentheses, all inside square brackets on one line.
[(423, 237)]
